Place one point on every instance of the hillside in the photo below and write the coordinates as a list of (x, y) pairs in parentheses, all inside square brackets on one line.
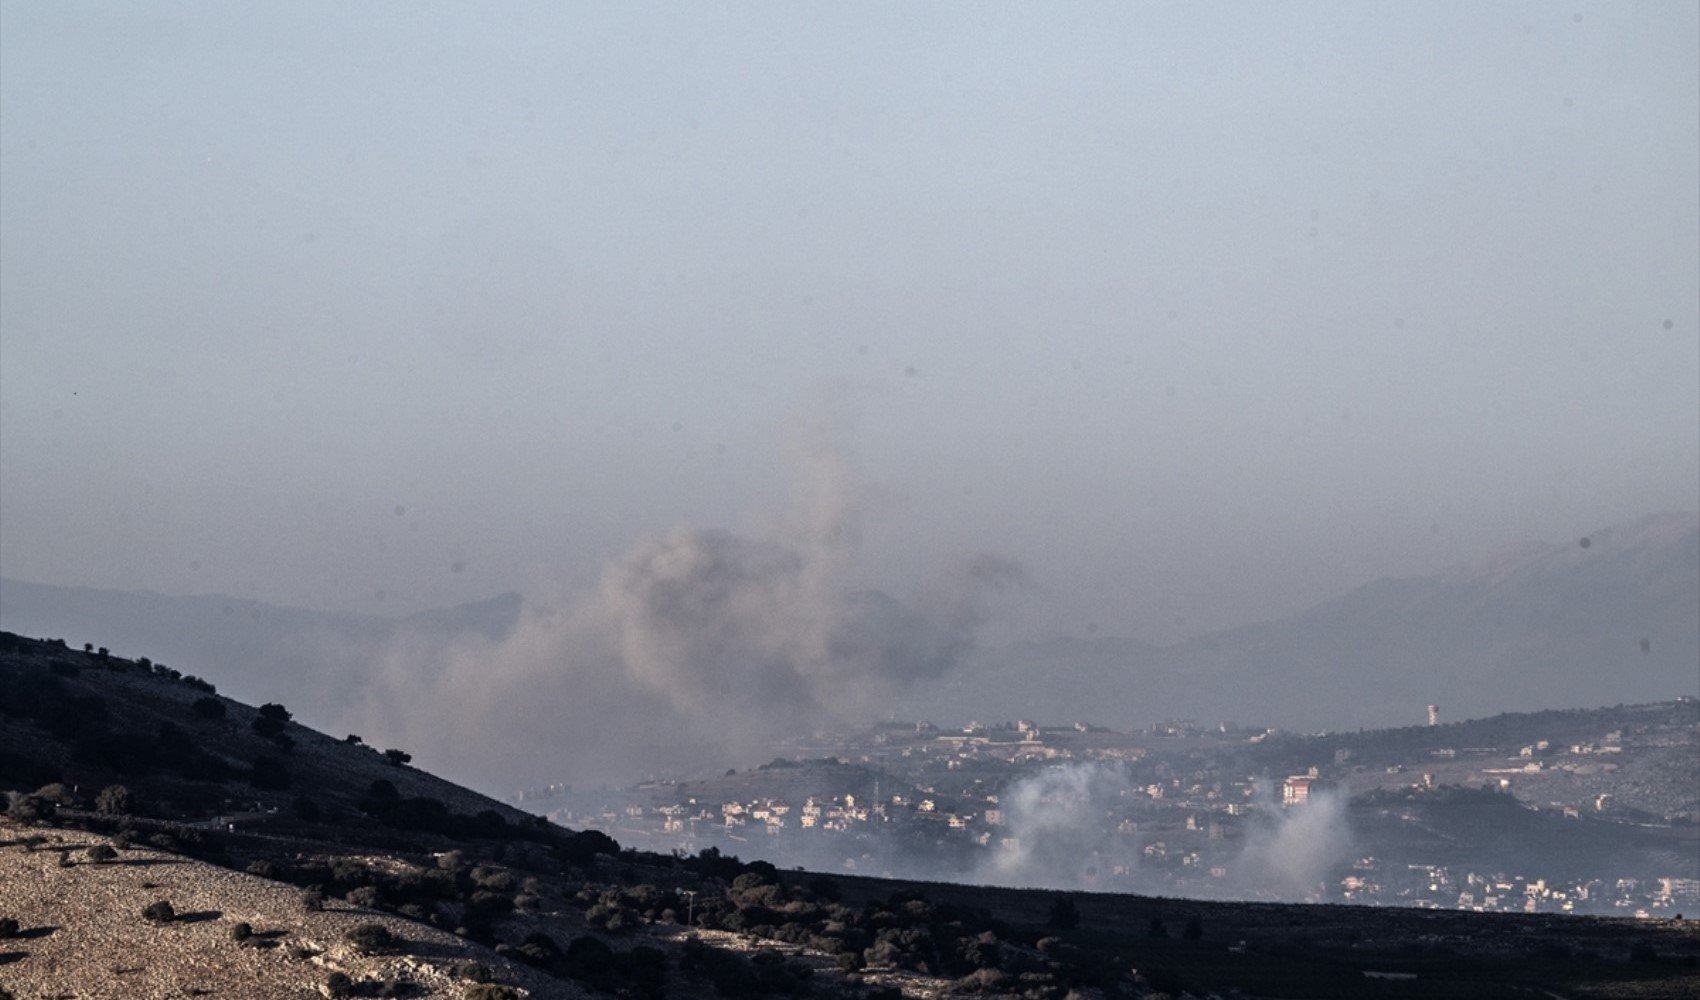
[(304, 837), (1542, 625)]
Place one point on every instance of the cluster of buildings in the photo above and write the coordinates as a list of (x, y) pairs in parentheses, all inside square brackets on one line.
[(1172, 809), (1441, 887)]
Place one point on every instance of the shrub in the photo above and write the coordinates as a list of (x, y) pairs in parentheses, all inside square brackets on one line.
[(337, 984), (266, 726), (476, 972), (370, 939), (1194, 929), (1157, 928), (8, 927), (114, 800), (208, 708), (27, 808), (159, 912), (366, 896), (312, 900), (397, 757), (101, 853), (242, 931), (980, 981), (274, 711), (490, 991)]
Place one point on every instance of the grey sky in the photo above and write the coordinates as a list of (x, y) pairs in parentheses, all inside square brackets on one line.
[(1200, 314)]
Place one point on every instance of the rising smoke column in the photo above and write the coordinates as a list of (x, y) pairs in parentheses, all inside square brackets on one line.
[(1289, 853), (1062, 828), (696, 647)]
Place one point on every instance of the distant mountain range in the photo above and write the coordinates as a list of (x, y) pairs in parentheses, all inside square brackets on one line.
[(1614, 619), (1609, 619)]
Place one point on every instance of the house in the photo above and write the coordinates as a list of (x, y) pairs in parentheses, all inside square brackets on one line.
[(1296, 790)]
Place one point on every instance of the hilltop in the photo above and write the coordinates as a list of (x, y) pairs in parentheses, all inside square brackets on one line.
[(276, 846)]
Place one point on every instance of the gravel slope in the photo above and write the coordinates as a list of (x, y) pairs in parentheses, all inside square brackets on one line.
[(82, 934)]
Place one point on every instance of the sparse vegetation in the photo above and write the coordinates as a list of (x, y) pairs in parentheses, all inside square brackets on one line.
[(370, 939), (101, 853), (159, 912), (114, 800)]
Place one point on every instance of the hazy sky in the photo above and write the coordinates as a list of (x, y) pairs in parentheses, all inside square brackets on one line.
[(1199, 313)]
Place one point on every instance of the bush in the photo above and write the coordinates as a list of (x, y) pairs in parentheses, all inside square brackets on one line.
[(159, 912), (490, 991), (337, 984), (208, 708), (370, 939), (366, 896), (981, 981), (8, 928), (242, 931), (476, 972), (274, 711), (312, 900), (114, 800), (101, 853), (27, 808), (397, 757)]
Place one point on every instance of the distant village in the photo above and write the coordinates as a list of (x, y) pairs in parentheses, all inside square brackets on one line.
[(1606, 797)]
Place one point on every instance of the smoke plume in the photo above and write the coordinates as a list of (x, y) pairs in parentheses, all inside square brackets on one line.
[(1060, 825), (696, 647), (1288, 853)]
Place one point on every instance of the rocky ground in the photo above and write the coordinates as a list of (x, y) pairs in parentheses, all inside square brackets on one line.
[(82, 934)]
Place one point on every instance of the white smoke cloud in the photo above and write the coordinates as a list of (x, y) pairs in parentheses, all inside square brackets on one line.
[(696, 647), (1289, 853), (1061, 826)]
